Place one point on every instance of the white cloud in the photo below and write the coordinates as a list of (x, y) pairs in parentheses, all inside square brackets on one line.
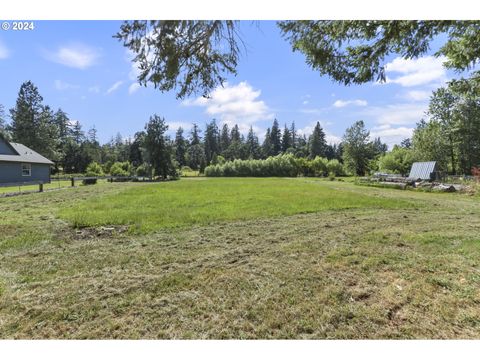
[(114, 87), (391, 135), (174, 125), (62, 85), (238, 104), (305, 102), (397, 114), (78, 56), (133, 88), (416, 72), (417, 95), (94, 89), (343, 103), (4, 52)]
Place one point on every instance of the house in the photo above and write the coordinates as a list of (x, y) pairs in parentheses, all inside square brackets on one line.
[(19, 164), (424, 171)]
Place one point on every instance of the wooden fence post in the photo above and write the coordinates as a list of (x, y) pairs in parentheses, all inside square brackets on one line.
[(40, 187), (73, 181)]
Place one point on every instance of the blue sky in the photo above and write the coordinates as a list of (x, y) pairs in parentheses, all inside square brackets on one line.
[(78, 66)]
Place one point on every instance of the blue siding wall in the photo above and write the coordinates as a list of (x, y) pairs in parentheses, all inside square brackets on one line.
[(11, 172), (5, 149)]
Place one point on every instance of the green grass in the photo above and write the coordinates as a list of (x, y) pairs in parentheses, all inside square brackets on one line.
[(189, 202), (379, 263)]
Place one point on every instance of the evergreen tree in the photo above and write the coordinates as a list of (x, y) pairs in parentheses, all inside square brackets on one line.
[(330, 151), (158, 147), (293, 133), (317, 142), (276, 138), (46, 140), (27, 116), (406, 143), (92, 135), (180, 147), (267, 145), (235, 134), (196, 157), (378, 148), (63, 124), (287, 140), (136, 149), (224, 138), (253, 150), (77, 132), (195, 136), (212, 135)]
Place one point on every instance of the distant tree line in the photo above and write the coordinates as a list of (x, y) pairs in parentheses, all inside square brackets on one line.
[(450, 135), (54, 135)]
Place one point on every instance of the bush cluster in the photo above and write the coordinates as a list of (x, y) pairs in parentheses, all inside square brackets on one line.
[(93, 169), (285, 165)]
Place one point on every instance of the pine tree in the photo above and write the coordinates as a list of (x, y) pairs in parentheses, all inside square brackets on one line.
[(267, 148), (136, 149), (63, 124), (235, 134), (317, 143), (224, 138), (195, 135), (77, 132), (287, 141), (293, 133), (252, 146), (180, 147), (211, 141), (27, 116), (275, 138)]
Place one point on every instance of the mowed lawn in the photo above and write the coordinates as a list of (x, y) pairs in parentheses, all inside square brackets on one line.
[(239, 258), (203, 201)]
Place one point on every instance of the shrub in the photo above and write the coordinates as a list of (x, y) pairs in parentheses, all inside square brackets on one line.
[(281, 165), (144, 170), (305, 167), (397, 161), (93, 169), (121, 169), (334, 166), (319, 166), (286, 165)]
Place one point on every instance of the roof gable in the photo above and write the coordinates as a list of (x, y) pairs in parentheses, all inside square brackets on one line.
[(14, 152), (5, 147)]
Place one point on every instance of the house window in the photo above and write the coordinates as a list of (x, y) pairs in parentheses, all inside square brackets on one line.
[(26, 169)]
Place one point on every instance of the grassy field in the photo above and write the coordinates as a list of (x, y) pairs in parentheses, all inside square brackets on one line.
[(201, 201), (239, 258)]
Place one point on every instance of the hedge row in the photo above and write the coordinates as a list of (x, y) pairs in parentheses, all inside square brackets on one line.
[(285, 165)]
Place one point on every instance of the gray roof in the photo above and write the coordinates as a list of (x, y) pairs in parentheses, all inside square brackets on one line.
[(423, 170), (25, 155)]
